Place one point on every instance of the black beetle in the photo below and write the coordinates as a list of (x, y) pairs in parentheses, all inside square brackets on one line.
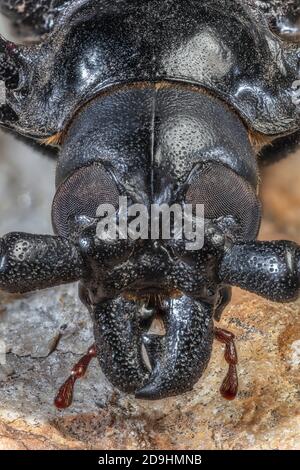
[(159, 101)]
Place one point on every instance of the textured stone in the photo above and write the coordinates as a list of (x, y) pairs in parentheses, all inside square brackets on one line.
[(46, 332)]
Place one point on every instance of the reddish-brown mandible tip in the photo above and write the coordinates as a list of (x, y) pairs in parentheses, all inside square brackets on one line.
[(64, 397)]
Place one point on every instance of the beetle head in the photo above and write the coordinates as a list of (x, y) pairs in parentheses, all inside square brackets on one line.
[(155, 145)]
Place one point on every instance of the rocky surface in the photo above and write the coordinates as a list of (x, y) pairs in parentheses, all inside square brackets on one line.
[(44, 333)]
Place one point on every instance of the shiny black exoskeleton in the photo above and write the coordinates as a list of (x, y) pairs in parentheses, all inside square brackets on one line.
[(161, 101)]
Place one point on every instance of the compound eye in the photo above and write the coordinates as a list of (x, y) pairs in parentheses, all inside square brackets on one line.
[(81, 194), (287, 27), (223, 192)]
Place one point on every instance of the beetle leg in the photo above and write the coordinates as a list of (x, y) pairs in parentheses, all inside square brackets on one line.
[(229, 387), (64, 396), (269, 269)]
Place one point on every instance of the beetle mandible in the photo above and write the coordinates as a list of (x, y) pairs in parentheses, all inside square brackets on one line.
[(158, 101)]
